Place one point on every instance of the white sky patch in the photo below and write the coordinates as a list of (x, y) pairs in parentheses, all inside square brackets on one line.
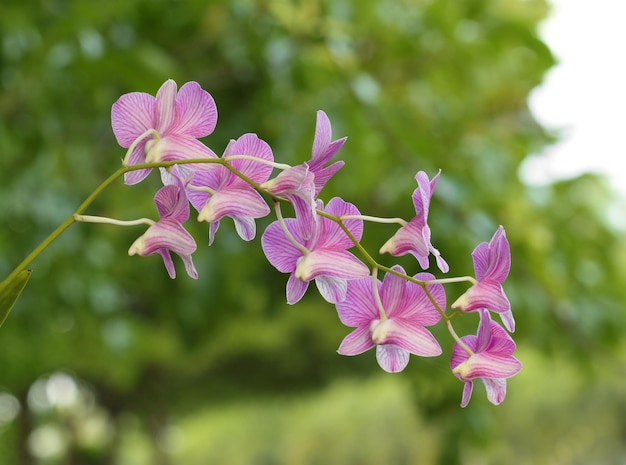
[(584, 96)]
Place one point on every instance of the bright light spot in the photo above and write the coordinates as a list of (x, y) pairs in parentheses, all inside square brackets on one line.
[(9, 408), (584, 96), (62, 391), (48, 442)]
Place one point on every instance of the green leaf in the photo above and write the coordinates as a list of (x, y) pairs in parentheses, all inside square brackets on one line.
[(10, 291)]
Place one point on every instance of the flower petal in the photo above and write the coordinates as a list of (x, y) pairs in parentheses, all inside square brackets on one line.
[(484, 294), (295, 289), (169, 264), (251, 145), (167, 234), (357, 342), (241, 201), (280, 252), (332, 235), (391, 358), (392, 292), (196, 111), (171, 202), (132, 115), (412, 337), (487, 365), (459, 355), (165, 106), (359, 307), (332, 289), (181, 147), (336, 263), (496, 390), (408, 239), (245, 227), (467, 393)]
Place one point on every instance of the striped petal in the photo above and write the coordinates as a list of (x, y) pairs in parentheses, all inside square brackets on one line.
[(336, 263), (278, 250), (132, 115), (196, 111), (357, 342), (392, 358), (295, 289), (359, 307)]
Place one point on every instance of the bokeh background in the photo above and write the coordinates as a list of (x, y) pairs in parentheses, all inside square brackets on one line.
[(105, 360)]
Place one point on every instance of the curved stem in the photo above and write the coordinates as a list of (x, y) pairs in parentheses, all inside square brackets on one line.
[(457, 339)]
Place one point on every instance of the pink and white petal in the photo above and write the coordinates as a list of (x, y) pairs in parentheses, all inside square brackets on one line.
[(407, 239), (165, 107), (330, 151), (213, 227), (483, 295), (422, 195), (486, 365), (417, 305), (392, 292), (459, 355), (241, 201), (196, 111), (467, 393), (245, 226), (500, 256), (169, 264), (331, 289), (295, 289), (321, 139), (441, 263), (307, 218), (251, 145), (171, 202), (167, 234), (336, 263), (297, 179), (508, 321), (480, 257), (412, 337), (280, 252), (180, 147), (501, 346), (359, 307), (496, 390), (132, 115), (189, 266), (333, 235), (391, 358), (485, 330), (134, 177), (357, 342), (137, 156), (197, 198)]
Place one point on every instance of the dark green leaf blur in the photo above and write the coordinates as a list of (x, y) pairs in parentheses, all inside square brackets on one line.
[(106, 360)]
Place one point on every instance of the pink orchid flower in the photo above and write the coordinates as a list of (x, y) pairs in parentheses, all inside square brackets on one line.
[(301, 184), (165, 127), (492, 262), (395, 323), (492, 360), (219, 192), (168, 234), (414, 237), (321, 256)]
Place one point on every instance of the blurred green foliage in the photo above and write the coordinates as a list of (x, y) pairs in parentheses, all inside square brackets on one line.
[(414, 84)]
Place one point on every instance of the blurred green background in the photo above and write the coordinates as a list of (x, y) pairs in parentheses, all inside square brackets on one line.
[(105, 360)]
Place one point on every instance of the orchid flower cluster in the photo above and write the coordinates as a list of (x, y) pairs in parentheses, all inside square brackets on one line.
[(391, 315)]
